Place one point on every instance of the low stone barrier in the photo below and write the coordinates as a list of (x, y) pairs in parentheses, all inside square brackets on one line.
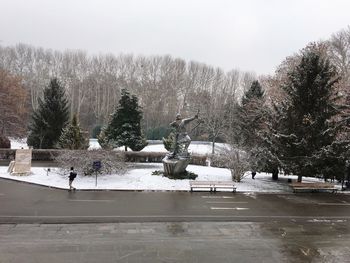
[(140, 157)]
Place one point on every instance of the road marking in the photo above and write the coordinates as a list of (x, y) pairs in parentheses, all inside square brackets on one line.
[(219, 202), (229, 208), (341, 204), (326, 220), (89, 200), (213, 197), (180, 217)]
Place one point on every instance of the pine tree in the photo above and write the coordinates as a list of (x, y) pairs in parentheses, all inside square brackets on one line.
[(50, 118), (307, 127), (124, 128), (72, 137), (255, 92), (251, 118), (250, 115)]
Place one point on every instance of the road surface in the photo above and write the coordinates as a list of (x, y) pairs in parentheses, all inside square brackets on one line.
[(40, 224)]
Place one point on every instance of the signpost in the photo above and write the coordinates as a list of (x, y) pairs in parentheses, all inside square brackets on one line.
[(97, 166)]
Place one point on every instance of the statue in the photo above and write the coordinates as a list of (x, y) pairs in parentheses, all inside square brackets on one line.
[(182, 139), (175, 162)]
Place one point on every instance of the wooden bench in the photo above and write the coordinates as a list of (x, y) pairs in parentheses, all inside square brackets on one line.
[(212, 185), (313, 187)]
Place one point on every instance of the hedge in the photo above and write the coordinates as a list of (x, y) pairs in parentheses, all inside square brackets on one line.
[(140, 157)]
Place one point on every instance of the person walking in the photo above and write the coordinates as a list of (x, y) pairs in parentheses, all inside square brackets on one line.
[(72, 176), (253, 174)]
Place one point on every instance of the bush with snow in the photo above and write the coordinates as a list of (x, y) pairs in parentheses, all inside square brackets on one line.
[(233, 159), (4, 142), (82, 161)]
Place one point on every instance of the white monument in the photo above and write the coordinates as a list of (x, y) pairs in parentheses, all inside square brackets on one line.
[(22, 163)]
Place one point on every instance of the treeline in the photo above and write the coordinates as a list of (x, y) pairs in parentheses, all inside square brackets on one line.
[(296, 121), (164, 85)]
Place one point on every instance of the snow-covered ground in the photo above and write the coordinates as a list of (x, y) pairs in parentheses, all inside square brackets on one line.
[(19, 143), (140, 176)]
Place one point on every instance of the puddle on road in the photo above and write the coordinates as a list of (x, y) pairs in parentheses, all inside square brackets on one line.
[(310, 241), (176, 228)]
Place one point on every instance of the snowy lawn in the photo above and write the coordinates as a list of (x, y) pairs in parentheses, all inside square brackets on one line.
[(141, 178)]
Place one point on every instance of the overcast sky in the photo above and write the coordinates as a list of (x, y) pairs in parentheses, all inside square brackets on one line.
[(252, 35)]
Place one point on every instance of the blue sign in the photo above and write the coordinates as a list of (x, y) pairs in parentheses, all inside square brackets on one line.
[(96, 165)]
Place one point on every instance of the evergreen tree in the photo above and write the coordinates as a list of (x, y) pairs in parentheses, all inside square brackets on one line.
[(255, 92), (50, 118), (124, 128), (249, 120), (307, 129), (266, 154), (250, 116), (72, 137)]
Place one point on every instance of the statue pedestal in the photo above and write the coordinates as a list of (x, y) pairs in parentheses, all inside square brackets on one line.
[(174, 166)]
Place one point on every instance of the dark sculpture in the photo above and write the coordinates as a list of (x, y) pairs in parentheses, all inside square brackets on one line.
[(182, 139)]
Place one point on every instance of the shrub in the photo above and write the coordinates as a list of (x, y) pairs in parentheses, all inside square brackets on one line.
[(185, 175), (169, 142), (112, 161), (7, 154), (233, 159), (103, 141), (199, 160), (157, 133), (5, 142), (96, 131), (45, 154)]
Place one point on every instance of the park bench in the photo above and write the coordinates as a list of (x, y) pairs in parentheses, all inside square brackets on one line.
[(313, 187), (212, 185)]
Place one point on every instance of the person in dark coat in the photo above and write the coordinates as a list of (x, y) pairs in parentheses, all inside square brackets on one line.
[(253, 174), (72, 176)]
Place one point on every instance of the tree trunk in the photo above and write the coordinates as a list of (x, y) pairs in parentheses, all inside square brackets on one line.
[(126, 148), (213, 146)]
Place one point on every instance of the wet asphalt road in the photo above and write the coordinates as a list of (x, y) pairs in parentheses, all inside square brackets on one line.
[(40, 224), (25, 203)]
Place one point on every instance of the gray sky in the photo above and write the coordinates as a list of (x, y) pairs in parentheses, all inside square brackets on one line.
[(253, 35)]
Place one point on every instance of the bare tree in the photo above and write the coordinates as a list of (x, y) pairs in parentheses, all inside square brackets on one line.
[(13, 106), (339, 51)]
